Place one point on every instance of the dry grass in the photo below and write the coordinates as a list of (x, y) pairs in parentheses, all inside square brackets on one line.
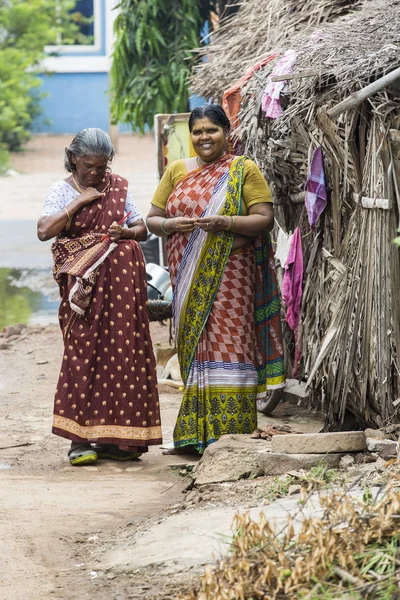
[(351, 550)]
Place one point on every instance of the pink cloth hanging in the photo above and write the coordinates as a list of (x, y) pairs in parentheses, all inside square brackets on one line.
[(292, 292), (270, 103), (292, 286)]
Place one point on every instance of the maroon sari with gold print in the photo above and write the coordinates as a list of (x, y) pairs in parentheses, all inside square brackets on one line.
[(107, 388)]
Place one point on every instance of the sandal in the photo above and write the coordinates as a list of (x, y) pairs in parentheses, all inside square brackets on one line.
[(81, 454), (114, 453)]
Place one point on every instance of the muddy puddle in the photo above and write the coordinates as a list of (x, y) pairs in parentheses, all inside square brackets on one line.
[(28, 296)]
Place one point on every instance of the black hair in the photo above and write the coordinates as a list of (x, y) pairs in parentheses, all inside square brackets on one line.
[(214, 112), (89, 142)]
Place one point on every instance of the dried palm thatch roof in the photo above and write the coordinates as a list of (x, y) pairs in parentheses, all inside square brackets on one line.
[(258, 28), (350, 326)]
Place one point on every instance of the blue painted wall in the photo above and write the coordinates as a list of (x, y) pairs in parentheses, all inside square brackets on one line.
[(74, 101)]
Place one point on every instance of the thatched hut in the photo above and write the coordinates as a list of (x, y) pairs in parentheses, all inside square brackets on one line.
[(343, 95)]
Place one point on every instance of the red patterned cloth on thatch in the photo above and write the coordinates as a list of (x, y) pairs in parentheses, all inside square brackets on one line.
[(107, 388), (232, 98)]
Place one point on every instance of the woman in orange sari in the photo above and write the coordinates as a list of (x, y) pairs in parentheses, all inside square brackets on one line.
[(106, 400), (215, 210)]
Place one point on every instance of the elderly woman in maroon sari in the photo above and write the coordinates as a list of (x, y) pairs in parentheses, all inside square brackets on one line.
[(107, 388)]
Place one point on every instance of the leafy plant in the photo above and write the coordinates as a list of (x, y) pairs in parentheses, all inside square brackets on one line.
[(16, 304), (280, 487), (319, 476), (323, 474), (26, 26), (153, 56)]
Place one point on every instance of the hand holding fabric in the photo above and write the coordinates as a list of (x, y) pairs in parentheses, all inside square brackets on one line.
[(214, 223), (89, 195)]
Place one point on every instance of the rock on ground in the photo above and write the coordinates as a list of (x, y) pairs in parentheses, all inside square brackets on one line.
[(237, 456), (385, 448)]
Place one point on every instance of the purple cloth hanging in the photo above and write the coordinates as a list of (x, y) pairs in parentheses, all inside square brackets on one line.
[(316, 196)]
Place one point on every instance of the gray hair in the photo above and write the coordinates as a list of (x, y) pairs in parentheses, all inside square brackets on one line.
[(89, 142)]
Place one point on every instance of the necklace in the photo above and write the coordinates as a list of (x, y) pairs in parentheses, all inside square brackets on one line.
[(76, 184), (80, 190)]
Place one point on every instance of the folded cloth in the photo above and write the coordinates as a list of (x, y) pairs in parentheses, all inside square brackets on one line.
[(270, 103), (78, 259), (316, 196)]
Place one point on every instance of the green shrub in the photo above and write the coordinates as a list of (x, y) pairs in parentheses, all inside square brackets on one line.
[(26, 26)]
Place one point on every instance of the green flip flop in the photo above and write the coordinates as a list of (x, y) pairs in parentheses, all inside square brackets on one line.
[(82, 455)]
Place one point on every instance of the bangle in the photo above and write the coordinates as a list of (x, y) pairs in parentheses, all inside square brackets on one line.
[(162, 227), (68, 215), (134, 231), (229, 223), (232, 223)]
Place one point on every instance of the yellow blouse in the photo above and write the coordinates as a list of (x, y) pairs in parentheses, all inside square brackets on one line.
[(254, 188)]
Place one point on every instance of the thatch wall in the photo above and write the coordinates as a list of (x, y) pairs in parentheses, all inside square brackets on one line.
[(350, 313)]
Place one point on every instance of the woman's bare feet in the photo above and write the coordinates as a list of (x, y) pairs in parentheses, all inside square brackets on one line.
[(184, 450)]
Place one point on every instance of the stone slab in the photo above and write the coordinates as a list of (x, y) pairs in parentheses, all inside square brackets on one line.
[(276, 463), (235, 457), (375, 433), (189, 539), (319, 443)]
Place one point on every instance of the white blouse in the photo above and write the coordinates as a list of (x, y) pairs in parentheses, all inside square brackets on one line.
[(61, 194)]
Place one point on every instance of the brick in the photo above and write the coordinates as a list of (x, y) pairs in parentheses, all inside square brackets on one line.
[(319, 443)]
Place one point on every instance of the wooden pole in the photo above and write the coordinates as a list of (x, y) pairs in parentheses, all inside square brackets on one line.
[(114, 135), (364, 93)]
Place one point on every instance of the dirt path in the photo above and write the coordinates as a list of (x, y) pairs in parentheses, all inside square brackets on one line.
[(53, 515), (71, 532)]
